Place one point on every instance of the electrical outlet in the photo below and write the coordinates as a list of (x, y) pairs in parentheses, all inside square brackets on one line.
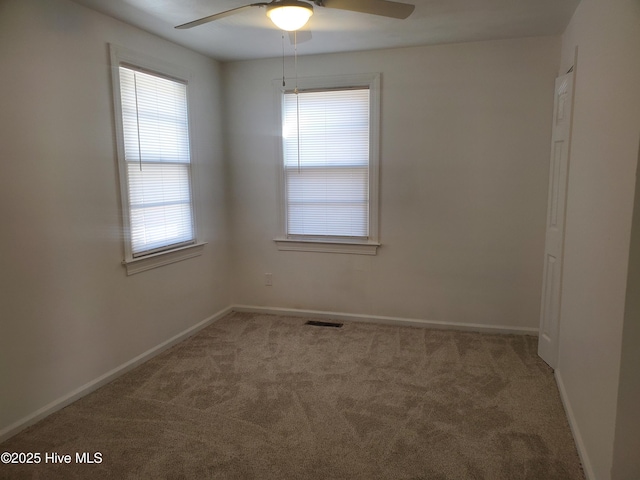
[(268, 279)]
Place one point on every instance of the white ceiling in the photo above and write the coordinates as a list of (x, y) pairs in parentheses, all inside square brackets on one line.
[(250, 34)]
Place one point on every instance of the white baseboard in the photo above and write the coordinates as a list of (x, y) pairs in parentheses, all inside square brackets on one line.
[(89, 387), (410, 322), (582, 451), (111, 375)]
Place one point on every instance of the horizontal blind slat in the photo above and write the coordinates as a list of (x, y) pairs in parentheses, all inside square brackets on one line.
[(327, 185), (156, 145)]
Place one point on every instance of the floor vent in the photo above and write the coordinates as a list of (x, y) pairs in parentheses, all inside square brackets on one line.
[(324, 324)]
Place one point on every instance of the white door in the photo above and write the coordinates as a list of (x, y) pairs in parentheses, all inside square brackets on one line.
[(554, 243)]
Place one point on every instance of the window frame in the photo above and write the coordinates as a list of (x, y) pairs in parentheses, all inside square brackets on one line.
[(334, 244), (121, 56)]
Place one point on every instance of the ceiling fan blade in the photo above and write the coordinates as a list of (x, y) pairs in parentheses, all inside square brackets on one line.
[(217, 16), (383, 8)]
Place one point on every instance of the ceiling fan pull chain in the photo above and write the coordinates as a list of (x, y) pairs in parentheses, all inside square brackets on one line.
[(135, 89), (295, 59), (295, 67), (283, 84)]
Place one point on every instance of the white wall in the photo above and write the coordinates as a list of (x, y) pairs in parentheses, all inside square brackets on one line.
[(604, 157), (626, 463), (465, 141), (68, 312), (464, 164)]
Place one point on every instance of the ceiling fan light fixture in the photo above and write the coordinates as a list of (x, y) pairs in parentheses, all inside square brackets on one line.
[(289, 15)]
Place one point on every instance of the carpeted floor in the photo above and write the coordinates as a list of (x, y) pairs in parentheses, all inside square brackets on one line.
[(267, 397)]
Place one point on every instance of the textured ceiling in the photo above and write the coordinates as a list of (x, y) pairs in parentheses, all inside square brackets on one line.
[(251, 34)]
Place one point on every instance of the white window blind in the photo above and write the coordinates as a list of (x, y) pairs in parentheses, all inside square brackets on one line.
[(326, 163), (158, 161)]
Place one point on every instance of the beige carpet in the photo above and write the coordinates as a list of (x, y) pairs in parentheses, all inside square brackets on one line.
[(267, 397)]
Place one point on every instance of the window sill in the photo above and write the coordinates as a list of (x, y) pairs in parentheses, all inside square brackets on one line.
[(137, 265), (327, 246)]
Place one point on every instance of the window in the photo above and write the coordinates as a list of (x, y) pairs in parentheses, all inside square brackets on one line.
[(329, 165), (155, 164)]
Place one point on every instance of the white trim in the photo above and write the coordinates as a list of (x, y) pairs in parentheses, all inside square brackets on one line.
[(141, 264), (373, 82), (111, 375), (118, 55), (399, 321), (329, 246), (577, 437)]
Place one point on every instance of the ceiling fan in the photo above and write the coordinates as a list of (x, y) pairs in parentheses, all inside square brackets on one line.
[(291, 15)]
